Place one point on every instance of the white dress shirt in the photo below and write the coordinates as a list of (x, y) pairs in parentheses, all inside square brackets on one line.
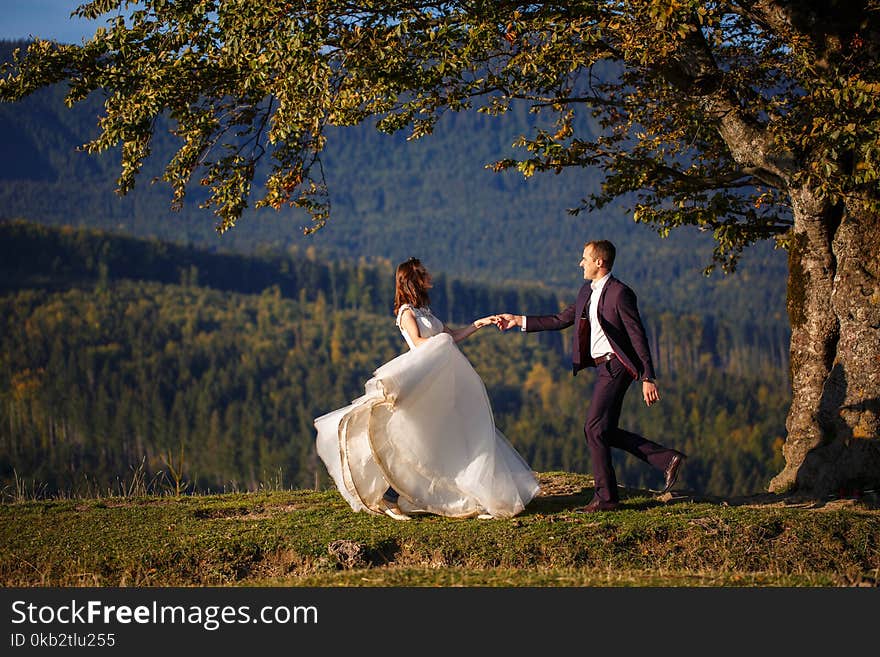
[(599, 344)]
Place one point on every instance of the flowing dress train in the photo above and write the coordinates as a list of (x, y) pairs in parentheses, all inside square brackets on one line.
[(424, 427)]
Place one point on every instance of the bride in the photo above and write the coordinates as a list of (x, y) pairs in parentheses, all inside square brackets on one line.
[(422, 438)]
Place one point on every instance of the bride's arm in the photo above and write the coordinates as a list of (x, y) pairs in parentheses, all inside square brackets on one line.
[(408, 324), (460, 334)]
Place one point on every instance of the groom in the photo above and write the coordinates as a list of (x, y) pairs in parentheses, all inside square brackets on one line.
[(609, 336)]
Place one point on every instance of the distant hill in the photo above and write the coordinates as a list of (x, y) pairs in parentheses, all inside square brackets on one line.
[(120, 353), (391, 199)]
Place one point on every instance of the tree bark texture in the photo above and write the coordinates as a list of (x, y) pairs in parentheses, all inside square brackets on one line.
[(833, 443)]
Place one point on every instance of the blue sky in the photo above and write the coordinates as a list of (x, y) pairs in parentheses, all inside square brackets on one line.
[(48, 19)]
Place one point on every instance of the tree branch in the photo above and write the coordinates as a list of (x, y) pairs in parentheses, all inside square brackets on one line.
[(772, 15), (695, 72)]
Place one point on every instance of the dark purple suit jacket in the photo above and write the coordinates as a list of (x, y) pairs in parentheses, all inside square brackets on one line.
[(619, 316)]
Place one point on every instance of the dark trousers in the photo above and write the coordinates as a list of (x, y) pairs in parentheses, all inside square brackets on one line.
[(602, 432)]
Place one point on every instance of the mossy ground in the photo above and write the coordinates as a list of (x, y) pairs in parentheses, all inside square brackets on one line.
[(311, 538)]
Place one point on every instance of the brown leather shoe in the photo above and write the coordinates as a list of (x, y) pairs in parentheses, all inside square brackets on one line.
[(598, 505), (671, 473)]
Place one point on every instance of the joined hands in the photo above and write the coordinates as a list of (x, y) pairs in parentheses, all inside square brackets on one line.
[(503, 321), (508, 321)]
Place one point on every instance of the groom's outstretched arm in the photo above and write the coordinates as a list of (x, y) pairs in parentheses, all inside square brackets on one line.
[(531, 323)]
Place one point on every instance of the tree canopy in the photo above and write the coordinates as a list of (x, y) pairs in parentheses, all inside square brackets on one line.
[(707, 109)]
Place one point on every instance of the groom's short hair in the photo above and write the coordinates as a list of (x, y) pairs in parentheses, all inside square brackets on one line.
[(603, 249)]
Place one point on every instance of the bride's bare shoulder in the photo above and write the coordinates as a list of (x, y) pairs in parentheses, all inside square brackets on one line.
[(402, 311)]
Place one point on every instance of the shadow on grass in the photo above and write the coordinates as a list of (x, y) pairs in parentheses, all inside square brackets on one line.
[(563, 492), (566, 491)]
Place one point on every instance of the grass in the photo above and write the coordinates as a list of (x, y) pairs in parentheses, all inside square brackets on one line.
[(312, 538)]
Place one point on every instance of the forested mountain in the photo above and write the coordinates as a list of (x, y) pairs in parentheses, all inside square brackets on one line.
[(119, 354), (135, 337), (391, 198)]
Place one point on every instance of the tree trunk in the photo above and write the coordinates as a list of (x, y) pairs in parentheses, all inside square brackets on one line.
[(833, 442)]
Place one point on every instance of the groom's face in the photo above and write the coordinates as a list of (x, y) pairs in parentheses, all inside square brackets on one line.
[(589, 264)]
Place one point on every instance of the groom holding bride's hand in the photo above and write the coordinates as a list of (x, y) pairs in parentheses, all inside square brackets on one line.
[(609, 336)]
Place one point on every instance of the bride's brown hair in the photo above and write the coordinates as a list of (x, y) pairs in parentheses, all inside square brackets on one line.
[(412, 282)]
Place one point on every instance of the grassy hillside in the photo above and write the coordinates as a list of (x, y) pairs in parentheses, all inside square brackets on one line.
[(311, 538)]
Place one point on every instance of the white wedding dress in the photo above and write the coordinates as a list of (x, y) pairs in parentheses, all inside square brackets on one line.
[(424, 426)]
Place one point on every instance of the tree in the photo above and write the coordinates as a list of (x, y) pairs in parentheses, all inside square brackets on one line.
[(753, 119)]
